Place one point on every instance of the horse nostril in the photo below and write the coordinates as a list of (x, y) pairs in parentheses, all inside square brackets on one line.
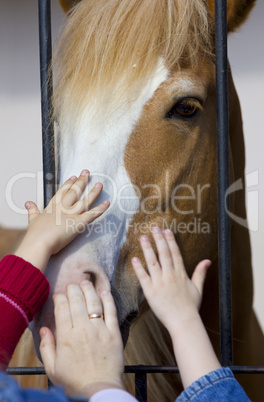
[(91, 277)]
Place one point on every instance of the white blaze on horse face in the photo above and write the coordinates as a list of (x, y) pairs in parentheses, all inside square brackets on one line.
[(99, 145)]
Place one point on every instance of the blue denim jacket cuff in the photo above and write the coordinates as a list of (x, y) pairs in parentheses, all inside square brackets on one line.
[(216, 385)]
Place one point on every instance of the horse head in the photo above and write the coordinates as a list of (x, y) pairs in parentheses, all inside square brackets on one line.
[(134, 103)]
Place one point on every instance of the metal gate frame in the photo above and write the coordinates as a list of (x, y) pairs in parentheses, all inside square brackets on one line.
[(224, 249)]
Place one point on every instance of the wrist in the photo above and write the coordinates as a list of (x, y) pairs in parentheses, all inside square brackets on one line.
[(95, 387), (35, 252), (183, 322)]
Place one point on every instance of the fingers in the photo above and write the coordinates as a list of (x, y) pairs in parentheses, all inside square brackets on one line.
[(76, 189), (168, 252), (64, 188), (78, 306), (163, 248), (84, 301), (93, 303), (170, 258), (47, 350), (199, 274), (110, 314), (174, 250), (69, 196), (150, 257), (62, 314), (143, 277), (90, 198), (32, 209), (70, 191), (90, 216), (73, 309)]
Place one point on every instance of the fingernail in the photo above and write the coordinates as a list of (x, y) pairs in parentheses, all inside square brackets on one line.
[(106, 202), (168, 231), (136, 260), (84, 172), (98, 185), (27, 205), (156, 229), (73, 178), (144, 238)]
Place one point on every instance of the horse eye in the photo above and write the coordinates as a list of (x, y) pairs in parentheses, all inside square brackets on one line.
[(184, 108)]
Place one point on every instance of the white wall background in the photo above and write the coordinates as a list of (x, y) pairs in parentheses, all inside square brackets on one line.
[(20, 124)]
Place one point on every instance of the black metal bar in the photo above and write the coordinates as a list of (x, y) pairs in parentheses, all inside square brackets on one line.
[(26, 370), (247, 369), (151, 369), (141, 386), (45, 50), (224, 249), (174, 369), (139, 370)]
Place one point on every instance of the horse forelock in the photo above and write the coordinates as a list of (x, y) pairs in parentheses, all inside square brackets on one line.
[(108, 49)]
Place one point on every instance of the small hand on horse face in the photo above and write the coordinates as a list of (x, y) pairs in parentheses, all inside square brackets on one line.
[(49, 232)]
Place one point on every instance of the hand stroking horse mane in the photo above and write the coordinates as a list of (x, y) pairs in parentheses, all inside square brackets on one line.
[(134, 101)]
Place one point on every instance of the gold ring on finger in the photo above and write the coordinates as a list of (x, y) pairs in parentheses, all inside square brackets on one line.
[(95, 315)]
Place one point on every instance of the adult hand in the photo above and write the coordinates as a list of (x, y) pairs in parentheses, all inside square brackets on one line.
[(87, 355)]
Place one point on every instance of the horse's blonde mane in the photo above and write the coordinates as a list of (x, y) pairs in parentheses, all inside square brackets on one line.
[(108, 48)]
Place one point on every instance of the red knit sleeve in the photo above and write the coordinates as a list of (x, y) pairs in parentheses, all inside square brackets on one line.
[(23, 291)]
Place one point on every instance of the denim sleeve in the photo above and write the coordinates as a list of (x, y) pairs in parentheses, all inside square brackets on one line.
[(219, 385), (11, 392)]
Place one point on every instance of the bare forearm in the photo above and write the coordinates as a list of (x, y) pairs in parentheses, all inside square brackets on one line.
[(193, 351)]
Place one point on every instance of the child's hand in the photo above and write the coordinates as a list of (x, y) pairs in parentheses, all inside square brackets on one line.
[(172, 296), (175, 299), (88, 353), (64, 218)]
